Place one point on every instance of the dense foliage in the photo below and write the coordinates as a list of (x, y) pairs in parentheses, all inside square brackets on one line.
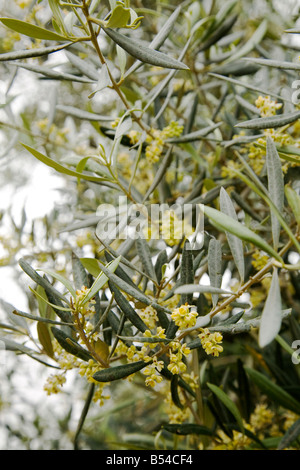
[(167, 279)]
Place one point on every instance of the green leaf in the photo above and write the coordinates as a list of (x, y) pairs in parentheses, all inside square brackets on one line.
[(194, 136), (235, 243), (118, 372), (273, 391), (91, 265), (68, 285), (70, 345), (127, 309), (230, 405), (81, 114), (278, 64), (186, 429), (119, 17), (227, 223), (290, 436), (270, 122), (186, 271), (79, 273), (144, 53), (202, 289), (32, 30), (60, 168), (215, 266), (100, 281), (294, 202), (254, 40), (144, 254), (271, 316), (52, 74), (249, 87), (29, 53), (45, 338), (275, 186)]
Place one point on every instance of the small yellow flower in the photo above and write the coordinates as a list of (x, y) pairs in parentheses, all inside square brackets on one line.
[(210, 342), (183, 317)]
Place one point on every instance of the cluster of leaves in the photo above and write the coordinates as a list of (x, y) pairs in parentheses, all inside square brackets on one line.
[(186, 109)]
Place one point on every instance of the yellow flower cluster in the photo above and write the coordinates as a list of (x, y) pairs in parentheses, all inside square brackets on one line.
[(183, 317), (149, 316), (175, 414), (261, 417), (88, 369), (211, 342), (151, 372), (266, 106), (157, 139), (177, 352), (54, 383), (259, 260), (84, 308)]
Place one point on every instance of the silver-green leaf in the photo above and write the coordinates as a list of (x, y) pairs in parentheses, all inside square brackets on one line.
[(275, 186), (271, 316), (235, 243), (144, 53)]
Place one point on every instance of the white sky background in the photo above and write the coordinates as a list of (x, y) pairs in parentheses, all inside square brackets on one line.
[(39, 195)]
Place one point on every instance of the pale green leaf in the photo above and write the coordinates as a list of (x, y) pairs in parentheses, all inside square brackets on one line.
[(271, 316), (275, 186), (227, 223), (293, 199), (235, 243), (215, 266), (144, 53), (230, 405), (32, 30), (270, 122)]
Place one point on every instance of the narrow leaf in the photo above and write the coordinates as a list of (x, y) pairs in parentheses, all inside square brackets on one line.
[(235, 243), (274, 391), (186, 429), (229, 224), (255, 39), (29, 53), (275, 186), (45, 338), (145, 257), (215, 266), (60, 168), (51, 73), (32, 30), (79, 273), (271, 316), (270, 122), (70, 345), (228, 403), (293, 199), (290, 436), (127, 309), (144, 53), (118, 372), (81, 114), (202, 289), (100, 281)]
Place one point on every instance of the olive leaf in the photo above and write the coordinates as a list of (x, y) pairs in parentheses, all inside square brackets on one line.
[(271, 316), (144, 53), (275, 186), (215, 266), (32, 30), (235, 243)]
